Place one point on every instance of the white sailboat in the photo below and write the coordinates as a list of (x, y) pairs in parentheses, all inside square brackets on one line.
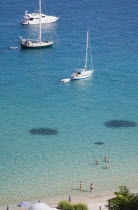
[(30, 43), (84, 73)]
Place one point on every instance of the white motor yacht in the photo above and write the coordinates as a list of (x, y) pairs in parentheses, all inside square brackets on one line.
[(33, 18)]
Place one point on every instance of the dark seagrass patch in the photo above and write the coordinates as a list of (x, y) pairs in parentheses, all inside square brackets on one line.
[(99, 143), (43, 131), (119, 124)]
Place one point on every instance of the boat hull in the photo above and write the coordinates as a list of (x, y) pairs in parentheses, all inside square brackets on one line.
[(65, 80), (48, 19), (82, 74), (13, 48), (31, 45)]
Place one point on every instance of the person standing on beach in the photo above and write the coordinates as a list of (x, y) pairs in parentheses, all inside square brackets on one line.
[(81, 185), (91, 187), (105, 159)]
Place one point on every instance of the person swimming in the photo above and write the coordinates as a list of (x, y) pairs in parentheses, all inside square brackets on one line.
[(107, 166), (105, 159), (97, 162)]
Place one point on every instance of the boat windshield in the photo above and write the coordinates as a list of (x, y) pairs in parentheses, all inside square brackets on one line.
[(80, 70)]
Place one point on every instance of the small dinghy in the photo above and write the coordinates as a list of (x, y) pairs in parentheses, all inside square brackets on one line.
[(13, 48), (65, 80)]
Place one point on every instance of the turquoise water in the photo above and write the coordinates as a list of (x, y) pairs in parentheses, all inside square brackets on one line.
[(32, 96)]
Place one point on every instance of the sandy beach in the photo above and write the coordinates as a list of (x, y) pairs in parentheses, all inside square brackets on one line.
[(92, 203)]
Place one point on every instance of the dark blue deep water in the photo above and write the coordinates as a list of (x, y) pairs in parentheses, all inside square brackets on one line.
[(34, 167)]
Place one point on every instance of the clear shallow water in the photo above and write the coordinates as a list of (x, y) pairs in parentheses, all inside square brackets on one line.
[(32, 96)]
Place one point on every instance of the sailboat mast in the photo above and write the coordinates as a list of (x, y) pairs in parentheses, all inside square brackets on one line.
[(86, 51), (40, 21)]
